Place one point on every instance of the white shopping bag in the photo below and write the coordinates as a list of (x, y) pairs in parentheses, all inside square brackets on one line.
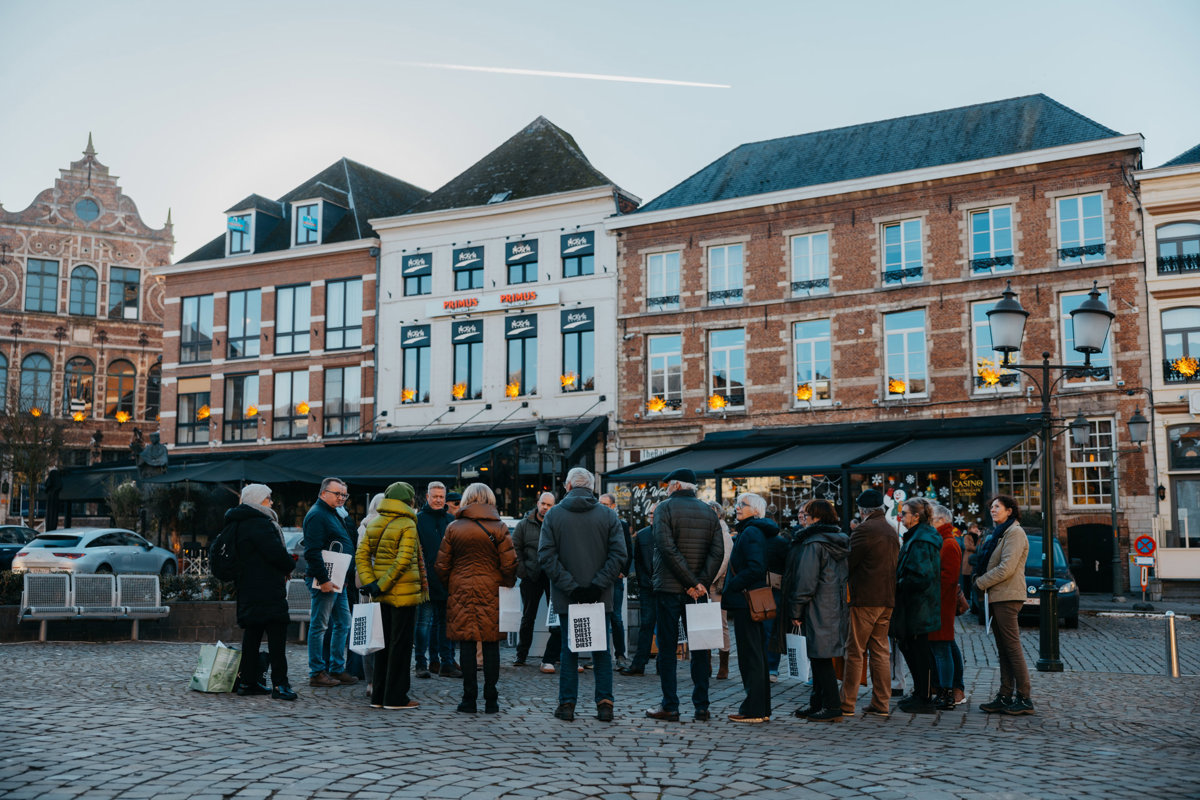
[(216, 669), (366, 628), (987, 616), (337, 564), (551, 615), (587, 627), (704, 629), (798, 666), (510, 609)]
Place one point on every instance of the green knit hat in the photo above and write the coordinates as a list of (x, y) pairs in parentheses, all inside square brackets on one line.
[(401, 491)]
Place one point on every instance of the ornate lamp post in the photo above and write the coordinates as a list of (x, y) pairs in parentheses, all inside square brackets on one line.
[(1090, 322)]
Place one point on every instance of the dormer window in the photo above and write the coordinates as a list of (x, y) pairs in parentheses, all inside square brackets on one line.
[(306, 225), (240, 236)]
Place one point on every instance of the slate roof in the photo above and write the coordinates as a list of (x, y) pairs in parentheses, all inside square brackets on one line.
[(540, 159), (986, 130), (365, 192), (1190, 157)]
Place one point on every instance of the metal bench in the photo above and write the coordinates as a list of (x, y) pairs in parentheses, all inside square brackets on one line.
[(46, 597), (95, 596), (138, 596), (299, 601), (60, 595)]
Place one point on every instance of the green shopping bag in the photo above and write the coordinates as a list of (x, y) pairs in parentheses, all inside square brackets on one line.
[(216, 669)]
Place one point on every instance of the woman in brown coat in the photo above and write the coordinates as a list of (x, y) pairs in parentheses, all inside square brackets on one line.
[(475, 560)]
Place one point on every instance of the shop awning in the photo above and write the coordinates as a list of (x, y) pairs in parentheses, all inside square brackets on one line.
[(934, 453), (93, 484), (384, 462), (705, 462), (806, 459), (234, 470)]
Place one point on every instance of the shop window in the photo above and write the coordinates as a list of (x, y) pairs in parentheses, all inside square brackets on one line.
[(1017, 474)]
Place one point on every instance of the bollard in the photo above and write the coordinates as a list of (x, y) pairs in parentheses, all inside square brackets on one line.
[(1172, 647)]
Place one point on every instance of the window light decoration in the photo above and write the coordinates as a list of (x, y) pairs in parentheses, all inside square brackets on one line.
[(512, 390), (988, 372), (35, 411), (203, 412), (655, 404), (408, 395), (302, 407), (568, 380), (252, 411), (804, 392), (717, 402), (458, 391), (896, 386), (1186, 366), (122, 417), (78, 416)]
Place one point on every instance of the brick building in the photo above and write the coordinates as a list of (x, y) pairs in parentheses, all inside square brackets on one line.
[(81, 315), (808, 314)]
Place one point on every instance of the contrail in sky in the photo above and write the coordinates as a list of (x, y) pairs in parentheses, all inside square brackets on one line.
[(550, 74)]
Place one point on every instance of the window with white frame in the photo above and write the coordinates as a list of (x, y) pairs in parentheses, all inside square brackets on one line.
[(343, 314), (724, 274), (662, 281), (195, 329), (240, 236), (1101, 371), (241, 408), (902, 247), (991, 241), (1017, 474), (293, 306), (41, 285), (1181, 345), (1080, 229), (1089, 468), (245, 323), (307, 225), (990, 377), (664, 390), (904, 353), (415, 349), (290, 417), (343, 401), (727, 372), (124, 288), (811, 345), (810, 264)]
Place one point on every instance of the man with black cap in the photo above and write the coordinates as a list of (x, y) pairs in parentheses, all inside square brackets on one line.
[(688, 553), (874, 550)]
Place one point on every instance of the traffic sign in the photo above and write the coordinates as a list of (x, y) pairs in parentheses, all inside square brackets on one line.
[(1145, 577), (1144, 561), (1145, 545)]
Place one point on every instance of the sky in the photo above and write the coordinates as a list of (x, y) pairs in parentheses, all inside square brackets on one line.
[(196, 105)]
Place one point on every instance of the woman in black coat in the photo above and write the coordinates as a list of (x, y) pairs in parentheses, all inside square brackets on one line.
[(263, 567)]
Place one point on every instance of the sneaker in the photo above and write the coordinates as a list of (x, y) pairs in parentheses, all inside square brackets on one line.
[(422, 673), (702, 716), (604, 711), (826, 715), (345, 679), (323, 679), (1020, 706), (662, 714), (622, 662), (548, 668), (466, 708), (450, 671), (565, 712), (491, 707), (998, 705), (774, 676), (283, 692), (945, 701), (872, 711), (960, 697), (408, 705), (748, 720)]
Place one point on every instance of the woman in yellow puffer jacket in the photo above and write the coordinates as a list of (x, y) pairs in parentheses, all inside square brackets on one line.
[(390, 563)]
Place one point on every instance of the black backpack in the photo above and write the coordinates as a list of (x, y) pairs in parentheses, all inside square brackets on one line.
[(222, 557)]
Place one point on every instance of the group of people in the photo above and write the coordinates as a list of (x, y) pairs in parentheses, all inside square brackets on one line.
[(857, 598)]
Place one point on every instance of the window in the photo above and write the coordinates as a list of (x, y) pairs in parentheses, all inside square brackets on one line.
[(123, 291), (292, 307), (343, 314), (521, 258), (36, 383), (307, 230), (991, 241), (79, 378), (468, 360), (343, 398), (902, 253), (195, 329), (810, 264), (1080, 229), (468, 268), (727, 373), (120, 391), (3, 382), (192, 411), (153, 392), (241, 408), (578, 254), (520, 336), (1017, 474), (84, 286), (41, 285), (1090, 467), (415, 348), (1178, 248), (240, 235), (904, 353), (811, 343), (988, 374), (579, 350), (245, 323), (665, 372), (1101, 371), (724, 275), (291, 405), (662, 282), (1181, 345), (418, 274)]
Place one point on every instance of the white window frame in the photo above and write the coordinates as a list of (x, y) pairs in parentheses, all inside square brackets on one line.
[(991, 251), (1080, 240), (1095, 458), (726, 274), (1070, 356), (319, 206), (809, 345), (722, 358), (252, 220), (662, 280), (659, 364), (906, 228), (1010, 380), (908, 350), (810, 264)]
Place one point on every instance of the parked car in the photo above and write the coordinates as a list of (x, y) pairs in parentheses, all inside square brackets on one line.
[(114, 550), (12, 539), (1068, 591)]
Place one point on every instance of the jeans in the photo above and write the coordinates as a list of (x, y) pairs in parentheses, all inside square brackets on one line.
[(432, 640), (422, 631), (648, 616), (615, 620), (670, 609), (491, 671), (277, 647), (532, 592), (330, 610), (568, 674), (752, 663), (943, 664), (392, 676)]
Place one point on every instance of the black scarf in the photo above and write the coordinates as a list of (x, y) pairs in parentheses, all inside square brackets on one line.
[(990, 544)]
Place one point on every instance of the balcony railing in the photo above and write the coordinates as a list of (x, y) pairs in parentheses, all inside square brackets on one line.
[(668, 302), (1176, 265), (903, 275), (817, 286), (724, 297), (989, 264), (1171, 373), (1067, 253)]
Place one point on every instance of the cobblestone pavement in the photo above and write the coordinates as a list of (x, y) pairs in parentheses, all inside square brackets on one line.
[(116, 720)]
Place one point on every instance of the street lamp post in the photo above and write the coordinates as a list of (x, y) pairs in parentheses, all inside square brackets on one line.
[(1139, 429), (1090, 322)]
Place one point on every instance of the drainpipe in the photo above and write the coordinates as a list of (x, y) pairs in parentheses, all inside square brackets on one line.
[(374, 251)]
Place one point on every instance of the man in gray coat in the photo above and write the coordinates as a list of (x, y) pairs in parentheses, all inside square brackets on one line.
[(582, 551)]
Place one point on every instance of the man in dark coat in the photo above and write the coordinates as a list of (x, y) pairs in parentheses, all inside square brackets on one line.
[(918, 599), (581, 551), (323, 529), (689, 549), (534, 584), (643, 560), (432, 521), (616, 620)]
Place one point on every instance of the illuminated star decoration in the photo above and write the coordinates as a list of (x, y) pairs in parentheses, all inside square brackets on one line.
[(512, 390), (804, 392), (302, 407), (203, 412), (35, 411), (895, 386), (78, 416), (568, 380), (1186, 366), (122, 417), (408, 395), (717, 402), (458, 391), (988, 372), (252, 411), (655, 404)]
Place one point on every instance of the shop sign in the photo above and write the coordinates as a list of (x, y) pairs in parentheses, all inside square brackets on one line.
[(497, 301), (578, 244)]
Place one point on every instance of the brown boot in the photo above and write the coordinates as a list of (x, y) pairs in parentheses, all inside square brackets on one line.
[(723, 665)]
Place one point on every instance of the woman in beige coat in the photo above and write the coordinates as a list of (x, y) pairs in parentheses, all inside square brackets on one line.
[(1003, 580)]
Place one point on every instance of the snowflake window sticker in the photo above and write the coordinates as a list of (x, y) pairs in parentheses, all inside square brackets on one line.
[(973, 509), (910, 478), (959, 520), (877, 479), (944, 491)]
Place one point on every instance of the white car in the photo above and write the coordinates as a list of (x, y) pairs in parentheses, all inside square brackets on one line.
[(113, 550)]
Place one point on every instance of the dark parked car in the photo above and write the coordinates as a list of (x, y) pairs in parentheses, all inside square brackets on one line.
[(12, 539), (1068, 591)]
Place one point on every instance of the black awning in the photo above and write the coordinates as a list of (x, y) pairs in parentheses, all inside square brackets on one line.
[(92, 484), (234, 470), (384, 462), (806, 459), (705, 462), (944, 452)]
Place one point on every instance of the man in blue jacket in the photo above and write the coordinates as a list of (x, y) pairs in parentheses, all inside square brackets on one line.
[(330, 606)]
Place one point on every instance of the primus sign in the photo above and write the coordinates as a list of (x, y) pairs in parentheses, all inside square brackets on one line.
[(498, 301)]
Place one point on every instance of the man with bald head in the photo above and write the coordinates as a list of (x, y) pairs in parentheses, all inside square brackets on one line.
[(534, 584)]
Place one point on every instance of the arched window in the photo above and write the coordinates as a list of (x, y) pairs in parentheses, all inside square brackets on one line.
[(1178, 247), (3, 382), (36, 381), (153, 392), (78, 379), (84, 285), (119, 389)]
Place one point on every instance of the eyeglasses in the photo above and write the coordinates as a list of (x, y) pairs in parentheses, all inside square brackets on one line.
[(341, 495)]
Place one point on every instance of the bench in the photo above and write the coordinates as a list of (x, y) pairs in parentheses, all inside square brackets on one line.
[(48, 596)]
